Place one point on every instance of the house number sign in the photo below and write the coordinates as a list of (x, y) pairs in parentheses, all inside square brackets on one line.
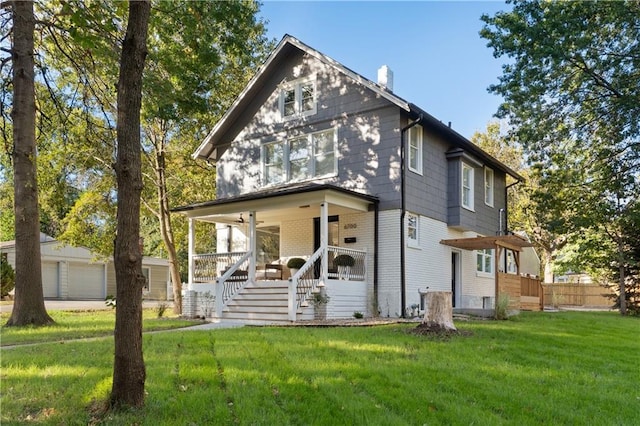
[(350, 225)]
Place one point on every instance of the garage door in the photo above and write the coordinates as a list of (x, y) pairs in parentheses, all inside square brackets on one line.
[(50, 279), (86, 281)]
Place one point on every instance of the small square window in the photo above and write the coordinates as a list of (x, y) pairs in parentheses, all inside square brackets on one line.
[(298, 98), (484, 261)]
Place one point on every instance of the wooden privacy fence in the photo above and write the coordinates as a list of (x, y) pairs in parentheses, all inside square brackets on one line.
[(524, 292), (586, 295)]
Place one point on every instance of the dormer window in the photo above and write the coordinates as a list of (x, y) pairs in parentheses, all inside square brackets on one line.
[(298, 98)]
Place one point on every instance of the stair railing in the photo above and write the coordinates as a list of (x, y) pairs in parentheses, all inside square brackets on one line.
[(302, 284), (231, 282)]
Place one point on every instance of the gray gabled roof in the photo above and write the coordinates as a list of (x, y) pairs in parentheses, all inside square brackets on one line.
[(207, 148)]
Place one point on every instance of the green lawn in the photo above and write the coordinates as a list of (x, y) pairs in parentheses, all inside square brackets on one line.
[(81, 325), (570, 368)]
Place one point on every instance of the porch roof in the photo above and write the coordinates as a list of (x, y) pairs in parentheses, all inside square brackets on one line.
[(512, 242), (297, 196)]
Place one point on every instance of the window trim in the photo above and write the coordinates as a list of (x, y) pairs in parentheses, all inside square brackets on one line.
[(312, 157), (470, 204), (485, 253), (296, 86), (489, 190), (413, 242), (418, 132)]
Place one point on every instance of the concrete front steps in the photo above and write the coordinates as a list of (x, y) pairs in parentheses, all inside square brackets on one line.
[(260, 302)]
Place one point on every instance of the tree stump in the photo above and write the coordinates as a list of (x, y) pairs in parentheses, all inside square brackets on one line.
[(438, 313)]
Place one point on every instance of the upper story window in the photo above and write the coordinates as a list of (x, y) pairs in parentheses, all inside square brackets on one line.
[(273, 163), (413, 230), (298, 98), (484, 261), (300, 158), (415, 149), (488, 187), (467, 186)]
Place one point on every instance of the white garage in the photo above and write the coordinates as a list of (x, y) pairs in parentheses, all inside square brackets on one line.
[(77, 273), (86, 281), (50, 280)]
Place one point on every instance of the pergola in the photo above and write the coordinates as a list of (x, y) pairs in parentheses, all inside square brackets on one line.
[(498, 243)]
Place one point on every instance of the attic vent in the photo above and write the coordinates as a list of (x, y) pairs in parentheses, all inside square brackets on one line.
[(385, 78)]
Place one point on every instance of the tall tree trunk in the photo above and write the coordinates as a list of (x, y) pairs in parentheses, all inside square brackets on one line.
[(129, 370), (166, 229), (621, 278), (28, 307)]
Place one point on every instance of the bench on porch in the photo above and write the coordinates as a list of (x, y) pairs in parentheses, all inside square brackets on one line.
[(239, 275), (270, 271)]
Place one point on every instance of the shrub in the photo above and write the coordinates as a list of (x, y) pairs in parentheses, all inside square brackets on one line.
[(502, 307), (344, 260), (7, 277), (296, 263), (358, 315)]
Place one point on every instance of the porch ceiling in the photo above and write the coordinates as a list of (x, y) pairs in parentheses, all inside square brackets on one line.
[(512, 242), (273, 206)]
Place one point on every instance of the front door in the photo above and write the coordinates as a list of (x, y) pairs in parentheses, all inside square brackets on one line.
[(455, 278)]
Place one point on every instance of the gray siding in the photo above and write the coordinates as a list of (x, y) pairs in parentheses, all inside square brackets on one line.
[(368, 129), (367, 126)]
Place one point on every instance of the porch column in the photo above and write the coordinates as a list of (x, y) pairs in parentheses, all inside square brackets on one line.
[(253, 236), (192, 245), (324, 238)]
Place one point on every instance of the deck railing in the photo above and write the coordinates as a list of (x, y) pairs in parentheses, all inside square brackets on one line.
[(356, 272), (209, 267)]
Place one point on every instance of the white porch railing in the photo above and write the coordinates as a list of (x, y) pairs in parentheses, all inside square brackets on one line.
[(231, 282), (209, 267), (355, 272), (310, 276)]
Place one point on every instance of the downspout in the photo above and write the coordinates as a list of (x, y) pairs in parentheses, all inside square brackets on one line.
[(506, 204), (376, 243), (403, 211)]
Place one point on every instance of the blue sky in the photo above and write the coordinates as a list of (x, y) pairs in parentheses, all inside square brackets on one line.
[(439, 61)]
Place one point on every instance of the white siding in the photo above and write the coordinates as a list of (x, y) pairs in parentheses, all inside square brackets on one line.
[(389, 263)]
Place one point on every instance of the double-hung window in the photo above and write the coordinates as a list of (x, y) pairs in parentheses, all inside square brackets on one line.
[(488, 187), (467, 186), (298, 98), (300, 158), (273, 163), (484, 261), (415, 149)]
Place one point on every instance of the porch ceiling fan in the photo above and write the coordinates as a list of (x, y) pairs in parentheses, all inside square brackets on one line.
[(241, 220)]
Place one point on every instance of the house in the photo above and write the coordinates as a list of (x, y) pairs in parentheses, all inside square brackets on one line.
[(315, 161), (76, 273)]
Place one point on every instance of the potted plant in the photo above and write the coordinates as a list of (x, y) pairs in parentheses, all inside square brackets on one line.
[(319, 302), (344, 262), (294, 264)]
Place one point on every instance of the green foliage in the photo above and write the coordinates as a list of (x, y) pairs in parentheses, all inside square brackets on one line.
[(502, 307), (358, 315), (319, 299), (7, 277), (344, 260), (296, 263), (571, 91)]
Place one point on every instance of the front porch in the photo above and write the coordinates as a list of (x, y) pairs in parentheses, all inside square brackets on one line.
[(248, 279)]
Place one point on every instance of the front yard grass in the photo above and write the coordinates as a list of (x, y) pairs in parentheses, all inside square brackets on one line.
[(539, 368), (81, 325)]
